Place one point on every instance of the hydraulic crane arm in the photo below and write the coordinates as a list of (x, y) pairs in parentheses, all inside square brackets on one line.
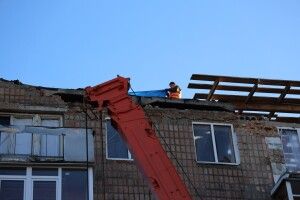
[(135, 128)]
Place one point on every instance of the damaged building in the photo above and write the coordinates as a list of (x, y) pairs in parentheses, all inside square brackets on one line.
[(238, 138)]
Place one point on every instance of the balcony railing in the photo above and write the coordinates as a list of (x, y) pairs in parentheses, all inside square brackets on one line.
[(45, 143)]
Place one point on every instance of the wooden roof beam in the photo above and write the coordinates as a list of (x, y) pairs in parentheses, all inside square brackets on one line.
[(267, 107), (255, 99), (251, 93), (242, 88), (212, 90), (280, 99), (232, 79)]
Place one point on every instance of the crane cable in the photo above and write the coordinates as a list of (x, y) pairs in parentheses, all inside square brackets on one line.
[(86, 149)]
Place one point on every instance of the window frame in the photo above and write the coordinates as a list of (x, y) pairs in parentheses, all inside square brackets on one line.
[(130, 158), (17, 178), (287, 128), (15, 116), (29, 179), (290, 193), (234, 142)]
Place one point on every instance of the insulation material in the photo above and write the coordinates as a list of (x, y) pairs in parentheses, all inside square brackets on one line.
[(151, 93)]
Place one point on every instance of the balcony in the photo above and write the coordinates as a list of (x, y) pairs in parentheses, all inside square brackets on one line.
[(45, 144)]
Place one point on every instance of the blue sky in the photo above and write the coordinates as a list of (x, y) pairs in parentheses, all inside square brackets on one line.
[(74, 43)]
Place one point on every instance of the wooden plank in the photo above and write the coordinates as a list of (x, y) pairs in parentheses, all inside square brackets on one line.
[(242, 88), (287, 108), (288, 119), (239, 98), (233, 79), (212, 90), (222, 78), (280, 98), (250, 95)]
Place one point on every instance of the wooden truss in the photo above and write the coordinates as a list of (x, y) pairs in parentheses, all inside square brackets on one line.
[(251, 94)]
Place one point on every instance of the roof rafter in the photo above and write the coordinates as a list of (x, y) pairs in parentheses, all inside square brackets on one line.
[(234, 87)]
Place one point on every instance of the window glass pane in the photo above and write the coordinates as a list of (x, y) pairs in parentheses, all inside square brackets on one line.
[(7, 143), (22, 121), (224, 144), (50, 145), (116, 148), (291, 149), (74, 185), (12, 171), (44, 190), (44, 172), (4, 120), (203, 142), (295, 187), (23, 143), (50, 122), (11, 190)]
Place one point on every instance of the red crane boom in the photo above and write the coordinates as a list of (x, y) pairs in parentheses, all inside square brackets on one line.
[(135, 128)]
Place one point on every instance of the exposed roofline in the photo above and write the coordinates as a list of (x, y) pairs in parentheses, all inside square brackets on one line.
[(64, 90), (232, 90), (183, 104)]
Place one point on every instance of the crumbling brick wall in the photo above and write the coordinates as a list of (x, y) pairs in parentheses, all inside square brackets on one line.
[(251, 179), (18, 96)]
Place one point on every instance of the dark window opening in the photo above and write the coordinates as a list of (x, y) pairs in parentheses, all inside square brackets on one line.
[(12, 171), (44, 172), (116, 147), (4, 120), (74, 185), (11, 189)]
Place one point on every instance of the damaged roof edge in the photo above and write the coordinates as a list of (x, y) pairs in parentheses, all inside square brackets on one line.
[(76, 95), (183, 103), (78, 91)]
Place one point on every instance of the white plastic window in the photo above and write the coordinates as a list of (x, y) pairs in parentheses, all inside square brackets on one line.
[(291, 148), (50, 144), (215, 143), (22, 143), (45, 184), (22, 140), (293, 189), (116, 148)]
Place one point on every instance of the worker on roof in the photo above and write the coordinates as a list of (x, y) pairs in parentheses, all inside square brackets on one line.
[(174, 92)]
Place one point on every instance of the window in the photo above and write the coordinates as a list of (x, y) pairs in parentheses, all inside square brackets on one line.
[(22, 143), (215, 143), (293, 188), (291, 148), (49, 145), (12, 189), (45, 184), (115, 147), (74, 184), (4, 120)]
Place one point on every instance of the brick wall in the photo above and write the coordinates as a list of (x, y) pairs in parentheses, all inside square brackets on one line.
[(251, 179), (11, 94)]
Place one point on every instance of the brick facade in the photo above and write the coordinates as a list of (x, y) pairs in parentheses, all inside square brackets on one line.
[(251, 179)]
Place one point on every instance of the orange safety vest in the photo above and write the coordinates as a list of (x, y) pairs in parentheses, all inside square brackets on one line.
[(176, 94)]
